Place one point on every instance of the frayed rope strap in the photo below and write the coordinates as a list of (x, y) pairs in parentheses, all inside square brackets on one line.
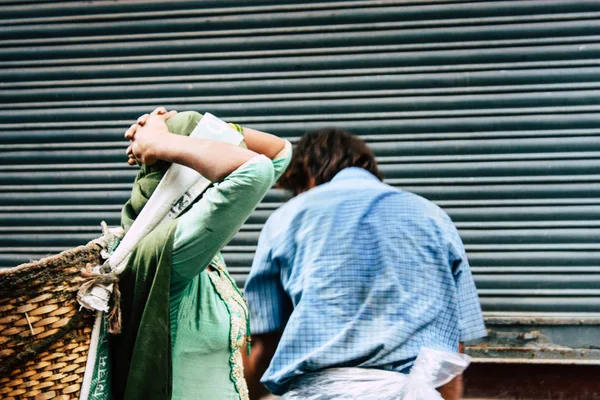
[(101, 283)]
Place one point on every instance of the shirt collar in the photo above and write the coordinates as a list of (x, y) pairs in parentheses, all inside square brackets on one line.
[(353, 173)]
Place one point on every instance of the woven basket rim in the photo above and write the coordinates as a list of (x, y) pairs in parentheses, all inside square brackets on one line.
[(35, 263)]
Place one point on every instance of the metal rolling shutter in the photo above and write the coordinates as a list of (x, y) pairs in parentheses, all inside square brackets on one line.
[(490, 109)]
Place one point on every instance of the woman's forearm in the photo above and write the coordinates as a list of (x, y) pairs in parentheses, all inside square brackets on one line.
[(212, 159), (263, 143)]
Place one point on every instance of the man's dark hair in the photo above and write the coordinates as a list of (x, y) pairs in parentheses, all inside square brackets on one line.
[(321, 154)]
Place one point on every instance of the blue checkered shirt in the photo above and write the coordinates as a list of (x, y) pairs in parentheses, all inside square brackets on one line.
[(359, 274)]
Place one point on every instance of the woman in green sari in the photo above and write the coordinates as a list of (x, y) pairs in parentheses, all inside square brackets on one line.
[(184, 320)]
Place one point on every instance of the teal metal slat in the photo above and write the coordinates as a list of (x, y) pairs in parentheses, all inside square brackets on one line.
[(489, 108)]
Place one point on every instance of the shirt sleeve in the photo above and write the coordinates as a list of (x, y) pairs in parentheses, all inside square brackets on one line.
[(269, 305), (282, 160), (211, 223), (471, 323)]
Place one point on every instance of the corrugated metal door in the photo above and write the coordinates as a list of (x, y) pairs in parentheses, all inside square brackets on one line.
[(489, 109)]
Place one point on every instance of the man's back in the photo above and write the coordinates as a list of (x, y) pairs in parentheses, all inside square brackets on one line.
[(359, 274)]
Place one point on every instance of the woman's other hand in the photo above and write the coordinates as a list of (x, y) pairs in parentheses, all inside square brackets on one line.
[(147, 135)]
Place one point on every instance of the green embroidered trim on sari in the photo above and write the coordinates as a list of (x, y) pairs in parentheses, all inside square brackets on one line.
[(238, 312)]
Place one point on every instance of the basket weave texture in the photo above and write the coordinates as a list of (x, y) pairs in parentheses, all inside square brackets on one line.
[(44, 338)]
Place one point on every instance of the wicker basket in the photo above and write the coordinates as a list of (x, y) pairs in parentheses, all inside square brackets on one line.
[(44, 337)]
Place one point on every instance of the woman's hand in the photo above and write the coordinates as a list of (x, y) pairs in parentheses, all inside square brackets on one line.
[(152, 141), (147, 135)]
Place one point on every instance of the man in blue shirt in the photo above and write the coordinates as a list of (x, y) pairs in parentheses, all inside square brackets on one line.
[(352, 272)]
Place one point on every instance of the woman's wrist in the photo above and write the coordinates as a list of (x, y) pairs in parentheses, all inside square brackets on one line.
[(165, 146)]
